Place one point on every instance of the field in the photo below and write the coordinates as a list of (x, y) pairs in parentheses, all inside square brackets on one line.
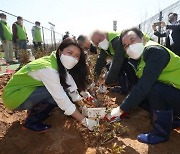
[(67, 136)]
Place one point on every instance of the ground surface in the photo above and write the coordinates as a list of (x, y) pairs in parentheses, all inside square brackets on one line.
[(67, 136)]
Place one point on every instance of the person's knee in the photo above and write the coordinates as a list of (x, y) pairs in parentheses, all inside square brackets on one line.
[(155, 91), (156, 98), (50, 100)]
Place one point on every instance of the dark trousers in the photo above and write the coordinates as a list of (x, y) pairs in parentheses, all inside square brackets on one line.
[(41, 94), (37, 45), (22, 44), (176, 49), (127, 77), (162, 97)]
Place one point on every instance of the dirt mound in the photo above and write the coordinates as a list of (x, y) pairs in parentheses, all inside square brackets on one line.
[(67, 136)]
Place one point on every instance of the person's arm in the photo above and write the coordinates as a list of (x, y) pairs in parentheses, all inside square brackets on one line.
[(33, 33), (26, 34), (14, 31), (175, 26), (1, 33), (156, 32), (100, 62), (51, 81), (156, 58), (116, 63), (159, 34), (50, 78)]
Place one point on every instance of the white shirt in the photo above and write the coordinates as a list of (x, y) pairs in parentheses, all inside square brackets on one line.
[(50, 79)]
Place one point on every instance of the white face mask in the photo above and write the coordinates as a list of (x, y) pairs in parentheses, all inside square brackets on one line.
[(3, 19), (37, 26), (134, 51), (104, 44), (68, 61)]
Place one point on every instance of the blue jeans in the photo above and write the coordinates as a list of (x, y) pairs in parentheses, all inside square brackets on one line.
[(22, 44), (39, 95)]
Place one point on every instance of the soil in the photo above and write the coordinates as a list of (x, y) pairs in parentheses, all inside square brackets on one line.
[(68, 137)]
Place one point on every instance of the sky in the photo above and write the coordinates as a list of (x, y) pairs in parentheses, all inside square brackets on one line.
[(84, 16)]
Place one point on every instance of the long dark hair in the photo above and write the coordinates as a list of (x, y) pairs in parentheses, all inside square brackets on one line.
[(79, 72)]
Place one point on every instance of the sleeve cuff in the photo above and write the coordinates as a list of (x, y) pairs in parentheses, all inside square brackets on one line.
[(75, 96), (124, 107), (70, 110)]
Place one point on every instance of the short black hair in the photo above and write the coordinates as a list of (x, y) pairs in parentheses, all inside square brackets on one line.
[(81, 38), (37, 22), (174, 14), (2, 15), (134, 29), (19, 17)]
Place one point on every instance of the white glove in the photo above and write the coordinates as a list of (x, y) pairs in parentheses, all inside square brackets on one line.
[(115, 112), (86, 95), (92, 86), (75, 96), (90, 123), (102, 89)]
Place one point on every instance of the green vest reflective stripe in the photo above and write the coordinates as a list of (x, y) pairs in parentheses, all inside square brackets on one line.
[(21, 32), (111, 36), (170, 74), (21, 85), (37, 32), (6, 31)]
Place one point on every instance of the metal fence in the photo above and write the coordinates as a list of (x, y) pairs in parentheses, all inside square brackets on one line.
[(146, 26), (51, 38)]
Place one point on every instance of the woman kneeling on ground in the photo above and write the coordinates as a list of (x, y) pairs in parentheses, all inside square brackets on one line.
[(49, 81)]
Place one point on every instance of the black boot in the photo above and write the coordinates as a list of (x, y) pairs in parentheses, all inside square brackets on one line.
[(38, 114), (162, 124)]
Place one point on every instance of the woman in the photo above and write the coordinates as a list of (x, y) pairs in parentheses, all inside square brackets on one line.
[(45, 82), (158, 87)]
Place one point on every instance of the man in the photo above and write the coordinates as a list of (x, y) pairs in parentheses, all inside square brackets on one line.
[(120, 71), (66, 35), (172, 33), (19, 34), (6, 39), (166, 34), (86, 45), (158, 70), (36, 34)]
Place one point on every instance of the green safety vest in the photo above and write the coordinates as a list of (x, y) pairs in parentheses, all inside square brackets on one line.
[(37, 32), (170, 74), (6, 31), (111, 36), (21, 32), (21, 85), (147, 37)]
